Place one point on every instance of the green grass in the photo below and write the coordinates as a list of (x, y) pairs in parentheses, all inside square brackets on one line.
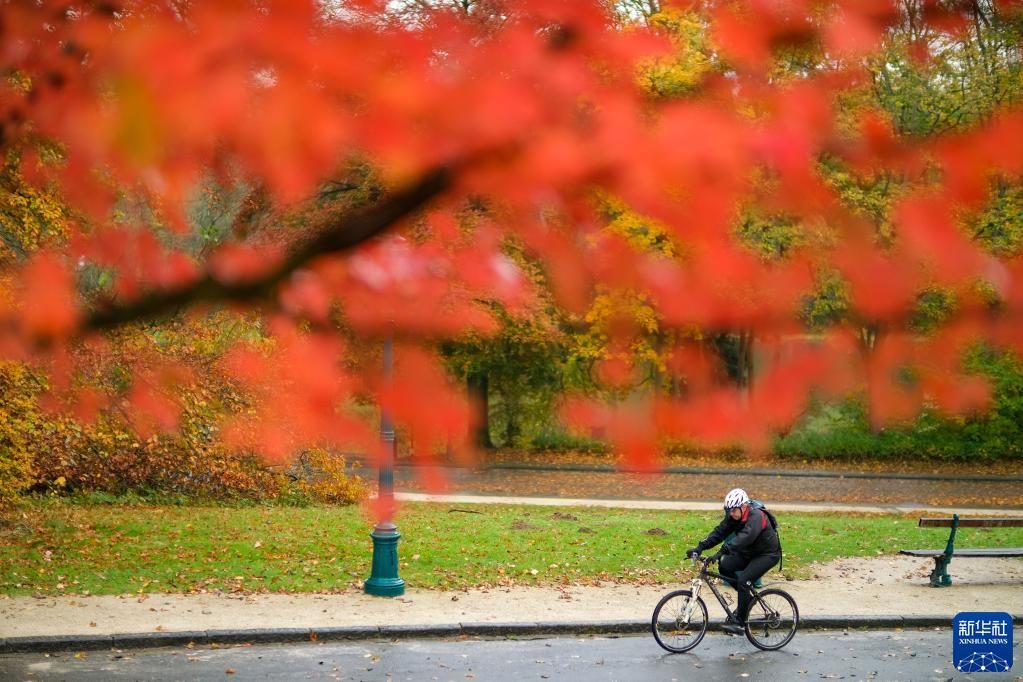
[(59, 548)]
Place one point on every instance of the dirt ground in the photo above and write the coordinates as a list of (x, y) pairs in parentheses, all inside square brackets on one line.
[(717, 460)]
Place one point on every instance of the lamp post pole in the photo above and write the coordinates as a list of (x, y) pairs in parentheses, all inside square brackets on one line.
[(383, 580)]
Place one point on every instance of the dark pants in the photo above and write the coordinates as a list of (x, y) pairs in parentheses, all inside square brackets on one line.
[(741, 573)]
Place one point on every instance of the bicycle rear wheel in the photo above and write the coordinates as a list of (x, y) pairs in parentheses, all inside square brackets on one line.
[(679, 622), (772, 620)]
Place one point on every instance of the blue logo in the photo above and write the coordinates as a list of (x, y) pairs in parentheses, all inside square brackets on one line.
[(982, 642)]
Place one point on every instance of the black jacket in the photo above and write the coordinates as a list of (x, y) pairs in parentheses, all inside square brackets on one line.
[(754, 535)]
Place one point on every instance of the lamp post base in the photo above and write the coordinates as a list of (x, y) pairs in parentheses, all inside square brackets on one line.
[(384, 580)]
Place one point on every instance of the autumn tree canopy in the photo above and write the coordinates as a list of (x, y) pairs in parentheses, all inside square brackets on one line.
[(498, 133)]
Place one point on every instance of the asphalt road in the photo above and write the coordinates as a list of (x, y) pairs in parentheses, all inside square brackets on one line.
[(854, 655)]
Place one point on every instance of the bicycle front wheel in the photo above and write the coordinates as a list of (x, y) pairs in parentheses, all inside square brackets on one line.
[(679, 621), (772, 620)]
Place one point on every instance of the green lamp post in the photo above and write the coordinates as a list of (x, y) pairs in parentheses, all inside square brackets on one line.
[(384, 580)]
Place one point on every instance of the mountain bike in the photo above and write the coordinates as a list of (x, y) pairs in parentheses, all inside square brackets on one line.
[(680, 618)]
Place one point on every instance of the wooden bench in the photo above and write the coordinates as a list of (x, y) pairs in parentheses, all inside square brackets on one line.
[(942, 557)]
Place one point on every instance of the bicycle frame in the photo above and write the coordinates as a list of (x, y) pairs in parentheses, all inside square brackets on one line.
[(702, 578)]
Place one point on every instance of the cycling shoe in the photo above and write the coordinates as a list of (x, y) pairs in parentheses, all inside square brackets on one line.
[(733, 628)]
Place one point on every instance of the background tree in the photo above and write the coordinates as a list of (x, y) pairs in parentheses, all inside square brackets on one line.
[(923, 84)]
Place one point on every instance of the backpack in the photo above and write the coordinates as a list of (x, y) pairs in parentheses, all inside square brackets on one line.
[(774, 525), (763, 508)]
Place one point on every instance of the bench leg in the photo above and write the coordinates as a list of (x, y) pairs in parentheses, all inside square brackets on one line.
[(940, 576)]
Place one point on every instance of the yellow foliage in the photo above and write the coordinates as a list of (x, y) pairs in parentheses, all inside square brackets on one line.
[(29, 218), (330, 483), (16, 428), (57, 453), (609, 305), (644, 234), (689, 66)]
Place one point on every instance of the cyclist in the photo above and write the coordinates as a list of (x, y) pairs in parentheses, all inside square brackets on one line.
[(747, 556)]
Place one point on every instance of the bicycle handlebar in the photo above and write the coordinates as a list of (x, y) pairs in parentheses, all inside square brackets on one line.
[(706, 561)]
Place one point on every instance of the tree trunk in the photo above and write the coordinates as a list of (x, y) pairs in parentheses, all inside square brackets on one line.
[(478, 386), (868, 336), (745, 378), (511, 424)]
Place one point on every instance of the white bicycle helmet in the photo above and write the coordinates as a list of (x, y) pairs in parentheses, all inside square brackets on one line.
[(736, 498)]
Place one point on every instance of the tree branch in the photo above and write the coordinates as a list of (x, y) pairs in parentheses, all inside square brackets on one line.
[(348, 233)]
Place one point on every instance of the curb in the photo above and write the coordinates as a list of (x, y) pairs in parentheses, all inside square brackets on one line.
[(148, 640)]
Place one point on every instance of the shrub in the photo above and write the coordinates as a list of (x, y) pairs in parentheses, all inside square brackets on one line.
[(108, 458), (842, 430), (18, 419), (15, 462), (555, 439), (327, 481)]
